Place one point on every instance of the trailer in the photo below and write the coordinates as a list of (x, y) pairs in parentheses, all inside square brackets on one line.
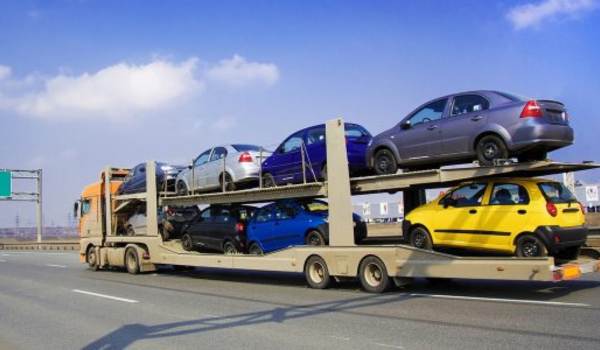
[(376, 266)]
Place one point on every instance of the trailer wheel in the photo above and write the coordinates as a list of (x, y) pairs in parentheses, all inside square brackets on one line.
[(420, 238), (92, 258), (132, 261), (255, 249), (316, 273), (229, 248), (373, 275), (315, 238), (186, 242)]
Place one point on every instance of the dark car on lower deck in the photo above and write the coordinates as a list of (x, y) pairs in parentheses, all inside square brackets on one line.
[(219, 228)]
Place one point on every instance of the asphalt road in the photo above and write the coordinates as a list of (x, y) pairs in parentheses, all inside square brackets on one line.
[(51, 301)]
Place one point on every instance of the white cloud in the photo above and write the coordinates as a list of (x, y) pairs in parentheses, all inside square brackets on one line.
[(4, 72), (238, 72), (124, 91), (533, 14)]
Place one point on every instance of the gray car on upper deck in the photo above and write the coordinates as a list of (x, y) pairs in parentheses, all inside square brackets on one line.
[(229, 166), (483, 125)]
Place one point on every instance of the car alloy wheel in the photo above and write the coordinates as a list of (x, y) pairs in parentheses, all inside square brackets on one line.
[(385, 163), (186, 242)]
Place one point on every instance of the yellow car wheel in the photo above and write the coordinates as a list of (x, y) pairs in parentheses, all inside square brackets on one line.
[(420, 238), (529, 246)]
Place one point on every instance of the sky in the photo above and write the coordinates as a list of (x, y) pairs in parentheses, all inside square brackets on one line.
[(85, 84)]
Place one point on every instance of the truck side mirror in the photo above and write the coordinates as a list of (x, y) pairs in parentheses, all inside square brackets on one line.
[(76, 209)]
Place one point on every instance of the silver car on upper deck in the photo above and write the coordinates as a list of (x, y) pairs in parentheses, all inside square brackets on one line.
[(227, 166)]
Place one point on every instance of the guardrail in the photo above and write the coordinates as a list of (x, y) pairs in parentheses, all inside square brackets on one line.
[(51, 245)]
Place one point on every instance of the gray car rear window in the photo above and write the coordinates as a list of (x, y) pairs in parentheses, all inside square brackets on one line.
[(246, 148)]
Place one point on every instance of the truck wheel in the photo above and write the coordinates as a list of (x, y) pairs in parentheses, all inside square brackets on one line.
[(316, 273), (385, 162), (92, 258), (530, 246), (229, 248), (132, 262), (255, 249), (268, 180), (571, 253), (186, 242), (489, 148), (314, 237), (420, 238), (373, 275)]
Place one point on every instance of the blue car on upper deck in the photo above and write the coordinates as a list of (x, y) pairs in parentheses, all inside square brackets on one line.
[(284, 166)]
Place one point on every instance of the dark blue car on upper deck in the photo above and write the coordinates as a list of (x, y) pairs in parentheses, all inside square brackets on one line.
[(284, 166)]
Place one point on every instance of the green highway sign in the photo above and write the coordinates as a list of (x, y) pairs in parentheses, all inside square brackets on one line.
[(5, 183)]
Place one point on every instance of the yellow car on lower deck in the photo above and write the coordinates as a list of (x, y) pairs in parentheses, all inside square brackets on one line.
[(521, 216)]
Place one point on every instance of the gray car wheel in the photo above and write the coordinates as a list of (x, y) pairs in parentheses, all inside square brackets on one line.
[(489, 148), (182, 189), (385, 162)]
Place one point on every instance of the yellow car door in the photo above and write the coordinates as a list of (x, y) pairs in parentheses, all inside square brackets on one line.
[(505, 215), (459, 216)]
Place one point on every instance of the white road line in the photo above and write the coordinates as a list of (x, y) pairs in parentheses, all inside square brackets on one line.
[(389, 346), (105, 296), (55, 265), (498, 300), (339, 338)]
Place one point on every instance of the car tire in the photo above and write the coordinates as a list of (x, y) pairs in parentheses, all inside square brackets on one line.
[(132, 261), (229, 184), (182, 189), (268, 180), (529, 246), (315, 238), (373, 275), (164, 234), (187, 243), (489, 148), (316, 273), (255, 249), (571, 253), (420, 238), (91, 256), (130, 231), (229, 248), (384, 162)]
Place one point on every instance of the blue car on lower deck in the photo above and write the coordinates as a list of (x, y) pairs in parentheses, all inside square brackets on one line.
[(292, 222), (284, 166)]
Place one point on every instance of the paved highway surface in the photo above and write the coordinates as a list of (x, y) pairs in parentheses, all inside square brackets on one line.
[(51, 301)]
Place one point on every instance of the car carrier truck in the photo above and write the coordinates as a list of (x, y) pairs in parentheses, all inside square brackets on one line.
[(102, 244)]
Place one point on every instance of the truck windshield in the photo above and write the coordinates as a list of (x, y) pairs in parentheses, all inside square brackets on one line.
[(556, 192)]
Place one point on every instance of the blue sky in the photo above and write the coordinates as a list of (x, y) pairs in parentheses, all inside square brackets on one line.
[(84, 84)]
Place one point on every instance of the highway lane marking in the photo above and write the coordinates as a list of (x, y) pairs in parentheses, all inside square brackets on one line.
[(339, 338), (389, 346), (498, 300), (55, 265), (105, 296)]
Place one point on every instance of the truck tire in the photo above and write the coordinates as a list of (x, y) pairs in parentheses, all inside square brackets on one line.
[(489, 148), (315, 238), (529, 246), (91, 257), (316, 273), (385, 162), (419, 238), (373, 275), (132, 261)]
